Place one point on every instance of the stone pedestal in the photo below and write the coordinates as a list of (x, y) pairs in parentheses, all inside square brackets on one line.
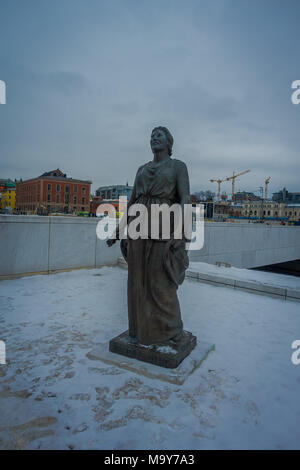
[(174, 376), (169, 356)]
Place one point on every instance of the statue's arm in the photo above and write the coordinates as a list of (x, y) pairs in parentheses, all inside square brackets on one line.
[(183, 191), (183, 183), (133, 196)]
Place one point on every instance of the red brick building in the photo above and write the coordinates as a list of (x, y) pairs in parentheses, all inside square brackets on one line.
[(95, 202), (53, 192)]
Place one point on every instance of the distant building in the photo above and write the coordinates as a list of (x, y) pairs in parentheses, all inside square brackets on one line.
[(285, 196), (272, 210), (114, 192), (94, 203), (243, 196), (292, 211), (235, 210), (208, 206), (226, 209), (7, 195), (53, 191)]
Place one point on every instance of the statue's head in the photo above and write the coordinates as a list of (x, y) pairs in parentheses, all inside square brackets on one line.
[(161, 138)]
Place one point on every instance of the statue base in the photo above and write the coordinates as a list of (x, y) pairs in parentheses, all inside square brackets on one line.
[(167, 355)]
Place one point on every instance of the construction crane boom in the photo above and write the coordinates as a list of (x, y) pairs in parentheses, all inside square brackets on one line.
[(233, 178), (219, 181), (267, 181)]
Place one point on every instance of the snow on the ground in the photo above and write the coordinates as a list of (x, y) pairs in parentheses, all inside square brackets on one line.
[(280, 280), (244, 395)]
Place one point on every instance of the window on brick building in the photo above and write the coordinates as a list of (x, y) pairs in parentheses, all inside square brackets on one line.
[(49, 187), (67, 189), (57, 198), (75, 189), (58, 187), (83, 190), (83, 200), (75, 199), (49, 197)]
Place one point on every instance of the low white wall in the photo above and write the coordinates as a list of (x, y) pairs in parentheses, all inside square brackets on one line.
[(245, 245), (31, 244)]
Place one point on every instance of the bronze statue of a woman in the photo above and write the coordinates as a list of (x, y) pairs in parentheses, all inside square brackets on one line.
[(156, 267)]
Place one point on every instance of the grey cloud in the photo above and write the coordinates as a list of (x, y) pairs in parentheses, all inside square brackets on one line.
[(87, 81)]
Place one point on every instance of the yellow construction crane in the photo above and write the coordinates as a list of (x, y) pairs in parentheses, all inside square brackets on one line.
[(267, 181), (233, 178), (219, 181)]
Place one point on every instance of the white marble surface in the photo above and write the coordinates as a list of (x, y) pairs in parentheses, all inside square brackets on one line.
[(52, 396)]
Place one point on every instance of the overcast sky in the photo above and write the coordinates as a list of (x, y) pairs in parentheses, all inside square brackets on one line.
[(87, 80)]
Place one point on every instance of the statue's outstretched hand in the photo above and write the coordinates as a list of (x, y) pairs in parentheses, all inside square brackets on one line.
[(110, 241)]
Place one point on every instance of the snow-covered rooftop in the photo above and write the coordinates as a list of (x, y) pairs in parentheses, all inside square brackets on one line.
[(244, 395)]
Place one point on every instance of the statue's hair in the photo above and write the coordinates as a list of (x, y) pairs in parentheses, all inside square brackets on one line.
[(169, 137)]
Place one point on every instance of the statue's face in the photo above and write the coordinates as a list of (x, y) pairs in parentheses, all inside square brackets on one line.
[(158, 140)]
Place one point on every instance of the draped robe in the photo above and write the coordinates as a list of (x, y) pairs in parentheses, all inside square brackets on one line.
[(156, 267)]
